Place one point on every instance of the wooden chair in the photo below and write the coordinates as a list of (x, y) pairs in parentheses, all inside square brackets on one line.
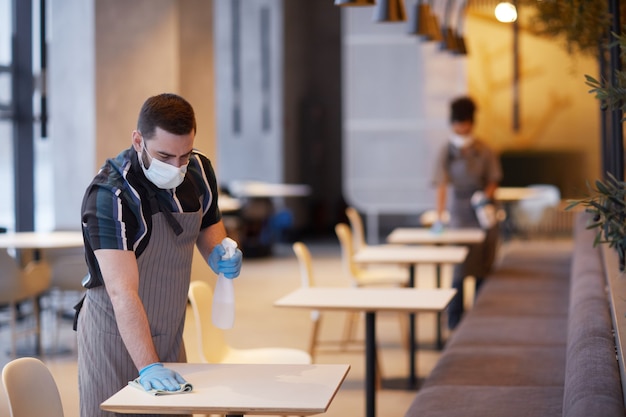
[(209, 345), (372, 275), (68, 268), (358, 231), (307, 279), (31, 389), (21, 285)]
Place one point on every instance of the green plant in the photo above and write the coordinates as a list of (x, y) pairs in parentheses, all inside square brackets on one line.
[(581, 24), (612, 96), (607, 205)]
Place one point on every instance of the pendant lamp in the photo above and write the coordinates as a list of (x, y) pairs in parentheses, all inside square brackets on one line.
[(447, 43), (419, 17), (350, 3), (389, 11), (433, 25), (461, 48)]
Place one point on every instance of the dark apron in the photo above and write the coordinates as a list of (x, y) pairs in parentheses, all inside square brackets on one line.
[(466, 176), (104, 365)]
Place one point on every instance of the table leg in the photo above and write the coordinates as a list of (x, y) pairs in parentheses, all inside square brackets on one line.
[(439, 341), (370, 364), (412, 376)]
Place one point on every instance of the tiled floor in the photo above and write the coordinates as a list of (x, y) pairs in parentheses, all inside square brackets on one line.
[(259, 324)]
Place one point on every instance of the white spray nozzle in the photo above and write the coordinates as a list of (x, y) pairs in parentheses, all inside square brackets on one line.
[(229, 246)]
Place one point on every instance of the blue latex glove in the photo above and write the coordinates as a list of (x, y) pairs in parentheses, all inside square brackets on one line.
[(229, 267), (437, 227), (159, 377)]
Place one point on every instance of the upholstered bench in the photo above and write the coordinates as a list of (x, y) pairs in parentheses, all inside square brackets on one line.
[(538, 341)]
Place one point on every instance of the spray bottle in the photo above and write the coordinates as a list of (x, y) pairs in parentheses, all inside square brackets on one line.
[(223, 312)]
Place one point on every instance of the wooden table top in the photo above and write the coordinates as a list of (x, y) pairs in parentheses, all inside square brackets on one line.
[(240, 389), (41, 240), (406, 254), (368, 299), (423, 235)]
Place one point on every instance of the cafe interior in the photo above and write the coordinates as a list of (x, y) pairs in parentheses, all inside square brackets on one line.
[(317, 114)]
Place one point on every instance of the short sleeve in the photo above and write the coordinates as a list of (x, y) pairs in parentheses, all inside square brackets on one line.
[(440, 174)]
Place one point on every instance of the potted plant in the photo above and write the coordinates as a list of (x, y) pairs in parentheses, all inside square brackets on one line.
[(607, 205), (582, 24)]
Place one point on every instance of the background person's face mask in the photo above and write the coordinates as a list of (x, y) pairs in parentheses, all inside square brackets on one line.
[(461, 141), (162, 175)]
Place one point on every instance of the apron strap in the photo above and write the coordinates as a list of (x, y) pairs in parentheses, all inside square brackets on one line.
[(157, 207)]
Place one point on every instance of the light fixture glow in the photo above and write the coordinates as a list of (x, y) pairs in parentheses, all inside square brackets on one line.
[(506, 12)]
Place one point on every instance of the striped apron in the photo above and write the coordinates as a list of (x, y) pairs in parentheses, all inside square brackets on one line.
[(104, 365)]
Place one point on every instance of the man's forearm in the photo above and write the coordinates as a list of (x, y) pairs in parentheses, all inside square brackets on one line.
[(134, 328)]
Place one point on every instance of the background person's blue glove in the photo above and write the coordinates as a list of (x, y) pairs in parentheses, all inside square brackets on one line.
[(229, 267), (156, 376), (437, 227)]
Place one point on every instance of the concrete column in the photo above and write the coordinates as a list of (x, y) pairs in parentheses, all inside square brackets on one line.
[(106, 58)]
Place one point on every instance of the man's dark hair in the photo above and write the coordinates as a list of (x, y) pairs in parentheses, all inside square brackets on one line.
[(170, 112), (462, 110)]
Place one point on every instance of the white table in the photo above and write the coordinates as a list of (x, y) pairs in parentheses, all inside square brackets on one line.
[(228, 204), (507, 194), (240, 389), (424, 236), (412, 256), (41, 240), (370, 301), (259, 189), (34, 241)]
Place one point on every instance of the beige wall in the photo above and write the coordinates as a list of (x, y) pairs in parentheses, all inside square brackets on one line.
[(147, 47), (556, 110)]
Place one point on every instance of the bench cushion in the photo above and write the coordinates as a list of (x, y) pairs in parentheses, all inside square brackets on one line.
[(490, 330), (500, 366), (487, 401)]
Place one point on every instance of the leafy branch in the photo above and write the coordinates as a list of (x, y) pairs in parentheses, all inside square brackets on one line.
[(607, 205)]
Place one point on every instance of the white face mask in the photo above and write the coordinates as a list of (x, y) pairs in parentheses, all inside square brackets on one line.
[(163, 175), (460, 141)]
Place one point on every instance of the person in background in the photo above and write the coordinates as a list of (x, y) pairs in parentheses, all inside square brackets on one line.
[(472, 169), (141, 217)]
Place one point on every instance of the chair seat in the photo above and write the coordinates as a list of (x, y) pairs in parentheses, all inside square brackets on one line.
[(273, 355), (206, 343), (31, 389)]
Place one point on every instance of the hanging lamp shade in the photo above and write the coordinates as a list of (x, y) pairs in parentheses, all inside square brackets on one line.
[(389, 11), (350, 3), (447, 34), (434, 29), (449, 40), (461, 48), (419, 17)]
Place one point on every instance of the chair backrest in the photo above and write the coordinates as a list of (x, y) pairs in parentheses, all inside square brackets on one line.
[(212, 343), (190, 338), (305, 261), (547, 195), (306, 264), (31, 389), (347, 250), (17, 284), (68, 268), (358, 231)]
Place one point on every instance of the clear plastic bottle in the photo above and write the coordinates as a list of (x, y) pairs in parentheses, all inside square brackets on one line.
[(223, 310), (485, 211)]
